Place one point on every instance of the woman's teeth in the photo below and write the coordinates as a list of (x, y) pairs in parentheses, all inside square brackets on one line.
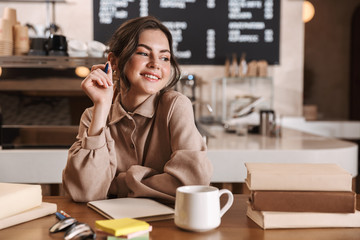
[(151, 76)]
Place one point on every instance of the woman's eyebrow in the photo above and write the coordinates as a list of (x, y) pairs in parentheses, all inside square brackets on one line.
[(150, 49)]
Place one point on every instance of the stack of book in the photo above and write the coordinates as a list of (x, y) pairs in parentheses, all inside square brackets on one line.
[(123, 228), (301, 196), (21, 203)]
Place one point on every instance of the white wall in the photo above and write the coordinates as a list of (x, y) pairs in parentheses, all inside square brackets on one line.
[(75, 19)]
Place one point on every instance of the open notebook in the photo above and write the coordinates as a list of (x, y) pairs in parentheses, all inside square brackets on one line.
[(139, 208)]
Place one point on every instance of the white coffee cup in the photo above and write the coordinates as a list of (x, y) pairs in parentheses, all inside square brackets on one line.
[(197, 208)]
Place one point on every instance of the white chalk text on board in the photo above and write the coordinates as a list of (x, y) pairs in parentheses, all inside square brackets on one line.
[(204, 31)]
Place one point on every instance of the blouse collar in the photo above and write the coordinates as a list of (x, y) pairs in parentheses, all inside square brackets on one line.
[(145, 109)]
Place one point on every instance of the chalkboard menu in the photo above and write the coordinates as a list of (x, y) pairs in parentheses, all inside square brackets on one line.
[(204, 31)]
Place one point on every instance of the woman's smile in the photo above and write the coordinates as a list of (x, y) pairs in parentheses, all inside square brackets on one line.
[(151, 77)]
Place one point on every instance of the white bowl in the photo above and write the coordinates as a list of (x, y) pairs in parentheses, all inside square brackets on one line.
[(96, 49), (77, 46), (77, 53), (95, 46)]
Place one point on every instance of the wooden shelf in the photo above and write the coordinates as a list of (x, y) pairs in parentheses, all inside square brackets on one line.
[(48, 61), (43, 85), (34, 1)]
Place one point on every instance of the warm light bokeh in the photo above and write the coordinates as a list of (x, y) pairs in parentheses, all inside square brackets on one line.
[(82, 71), (308, 11)]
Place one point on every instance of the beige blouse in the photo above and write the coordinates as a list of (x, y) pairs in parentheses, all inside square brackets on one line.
[(147, 153)]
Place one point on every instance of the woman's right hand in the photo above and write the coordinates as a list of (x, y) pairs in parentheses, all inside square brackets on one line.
[(98, 85)]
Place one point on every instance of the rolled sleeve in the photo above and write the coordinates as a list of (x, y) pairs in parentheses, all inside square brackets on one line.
[(93, 142)]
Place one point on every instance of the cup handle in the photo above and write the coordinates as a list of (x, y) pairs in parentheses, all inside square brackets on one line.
[(228, 203)]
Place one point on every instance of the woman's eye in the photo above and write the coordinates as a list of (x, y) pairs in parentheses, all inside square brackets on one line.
[(166, 59), (142, 53)]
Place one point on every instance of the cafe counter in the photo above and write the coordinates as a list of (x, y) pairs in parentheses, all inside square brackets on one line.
[(227, 151)]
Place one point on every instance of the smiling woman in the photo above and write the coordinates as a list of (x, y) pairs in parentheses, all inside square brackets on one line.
[(141, 141), (148, 70)]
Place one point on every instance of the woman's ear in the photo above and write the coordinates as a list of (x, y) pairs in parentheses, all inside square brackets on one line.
[(113, 61)]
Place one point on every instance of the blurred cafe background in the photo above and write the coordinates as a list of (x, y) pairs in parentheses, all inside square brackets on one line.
[(266, 65)]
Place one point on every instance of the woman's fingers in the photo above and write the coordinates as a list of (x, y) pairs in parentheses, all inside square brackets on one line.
[(97, 66), (101, 78), (98, 80), (98, 84)]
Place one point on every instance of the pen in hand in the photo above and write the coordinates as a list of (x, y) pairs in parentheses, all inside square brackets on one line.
[(106, 70), (106, 67)]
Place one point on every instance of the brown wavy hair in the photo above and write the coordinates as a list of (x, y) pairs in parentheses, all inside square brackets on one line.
[(124, 42)]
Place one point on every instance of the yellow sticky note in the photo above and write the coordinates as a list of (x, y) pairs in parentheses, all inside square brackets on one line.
[(122, 226)]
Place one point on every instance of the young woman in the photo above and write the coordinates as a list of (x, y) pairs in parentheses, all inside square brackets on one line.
[(143, 141)]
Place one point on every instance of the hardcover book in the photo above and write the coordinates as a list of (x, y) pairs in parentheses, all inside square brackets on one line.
[(303, 201), (277, 220), (43, 210), (16, 198), (297, 177)]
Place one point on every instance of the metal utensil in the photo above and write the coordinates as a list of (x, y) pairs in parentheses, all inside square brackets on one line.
[(62, 225)]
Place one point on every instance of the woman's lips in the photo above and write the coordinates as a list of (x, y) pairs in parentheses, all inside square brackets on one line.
[(151, 77)]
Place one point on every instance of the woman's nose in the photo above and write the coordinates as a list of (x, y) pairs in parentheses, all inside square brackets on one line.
[(153, 63)]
